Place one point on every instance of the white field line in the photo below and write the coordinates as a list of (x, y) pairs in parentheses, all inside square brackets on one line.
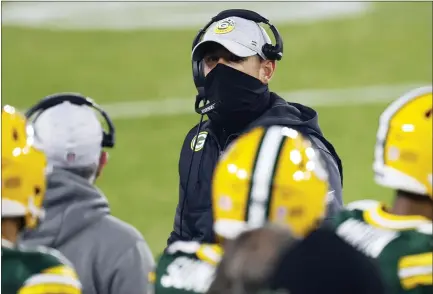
[(380, 94), (124, 15)]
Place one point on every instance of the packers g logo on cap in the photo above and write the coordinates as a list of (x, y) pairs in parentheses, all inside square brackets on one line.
[(200, 142), (224, 26)]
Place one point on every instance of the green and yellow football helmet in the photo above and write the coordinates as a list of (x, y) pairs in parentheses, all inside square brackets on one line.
[(269, 175), (403, 152), (23, 169)]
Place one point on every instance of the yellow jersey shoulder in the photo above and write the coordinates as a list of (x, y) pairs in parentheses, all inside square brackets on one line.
[(56, 274), (375, 214), (363, 205)]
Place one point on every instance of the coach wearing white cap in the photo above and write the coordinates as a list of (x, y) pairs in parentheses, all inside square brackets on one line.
[(233, 62), (110, 256)]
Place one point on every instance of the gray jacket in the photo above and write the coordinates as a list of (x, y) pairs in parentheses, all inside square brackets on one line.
[(109, 255)]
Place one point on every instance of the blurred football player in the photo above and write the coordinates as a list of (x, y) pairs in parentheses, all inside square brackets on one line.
[(27, 270), (399, 237), (250, 259), (251, 187), (268, 176), (272, 181)]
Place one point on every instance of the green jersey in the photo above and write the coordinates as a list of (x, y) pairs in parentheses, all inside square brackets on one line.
[(402, 245), (186, 268), (36, 271)]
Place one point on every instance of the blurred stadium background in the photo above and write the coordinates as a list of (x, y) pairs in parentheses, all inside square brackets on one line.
[(346, 59)]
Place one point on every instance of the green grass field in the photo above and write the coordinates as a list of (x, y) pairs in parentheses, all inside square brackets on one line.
[(391, 45)]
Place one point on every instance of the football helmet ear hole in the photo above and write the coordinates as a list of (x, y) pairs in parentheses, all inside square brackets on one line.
[(37, 190), (429, 113), (21, 223), (15, 134)]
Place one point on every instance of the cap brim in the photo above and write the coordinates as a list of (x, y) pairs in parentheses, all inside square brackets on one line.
[(232, 46)]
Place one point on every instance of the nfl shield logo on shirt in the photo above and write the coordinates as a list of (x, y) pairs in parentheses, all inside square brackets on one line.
[(70, 157)]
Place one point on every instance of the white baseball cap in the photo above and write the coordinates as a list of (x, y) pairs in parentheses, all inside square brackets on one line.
[(70, 135), (240, 36)]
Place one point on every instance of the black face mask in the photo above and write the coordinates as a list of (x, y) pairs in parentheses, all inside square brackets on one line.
[(242, 98)]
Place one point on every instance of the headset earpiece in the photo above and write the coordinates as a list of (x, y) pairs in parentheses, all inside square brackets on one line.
[(271, 52), (198, 68)]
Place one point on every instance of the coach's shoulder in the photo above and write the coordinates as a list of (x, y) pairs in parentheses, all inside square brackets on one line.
[(190, 143), (122, 229), (193, 131), (115, 240)]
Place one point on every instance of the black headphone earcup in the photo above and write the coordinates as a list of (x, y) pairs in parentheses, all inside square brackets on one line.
[(107, 140), (271, 52), (198, 73), (201, 72)]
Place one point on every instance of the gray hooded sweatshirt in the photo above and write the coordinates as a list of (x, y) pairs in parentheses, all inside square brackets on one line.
[(109, 255)]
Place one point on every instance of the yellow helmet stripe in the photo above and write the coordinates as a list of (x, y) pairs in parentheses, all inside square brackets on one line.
[(386, 117), (262, 177)]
